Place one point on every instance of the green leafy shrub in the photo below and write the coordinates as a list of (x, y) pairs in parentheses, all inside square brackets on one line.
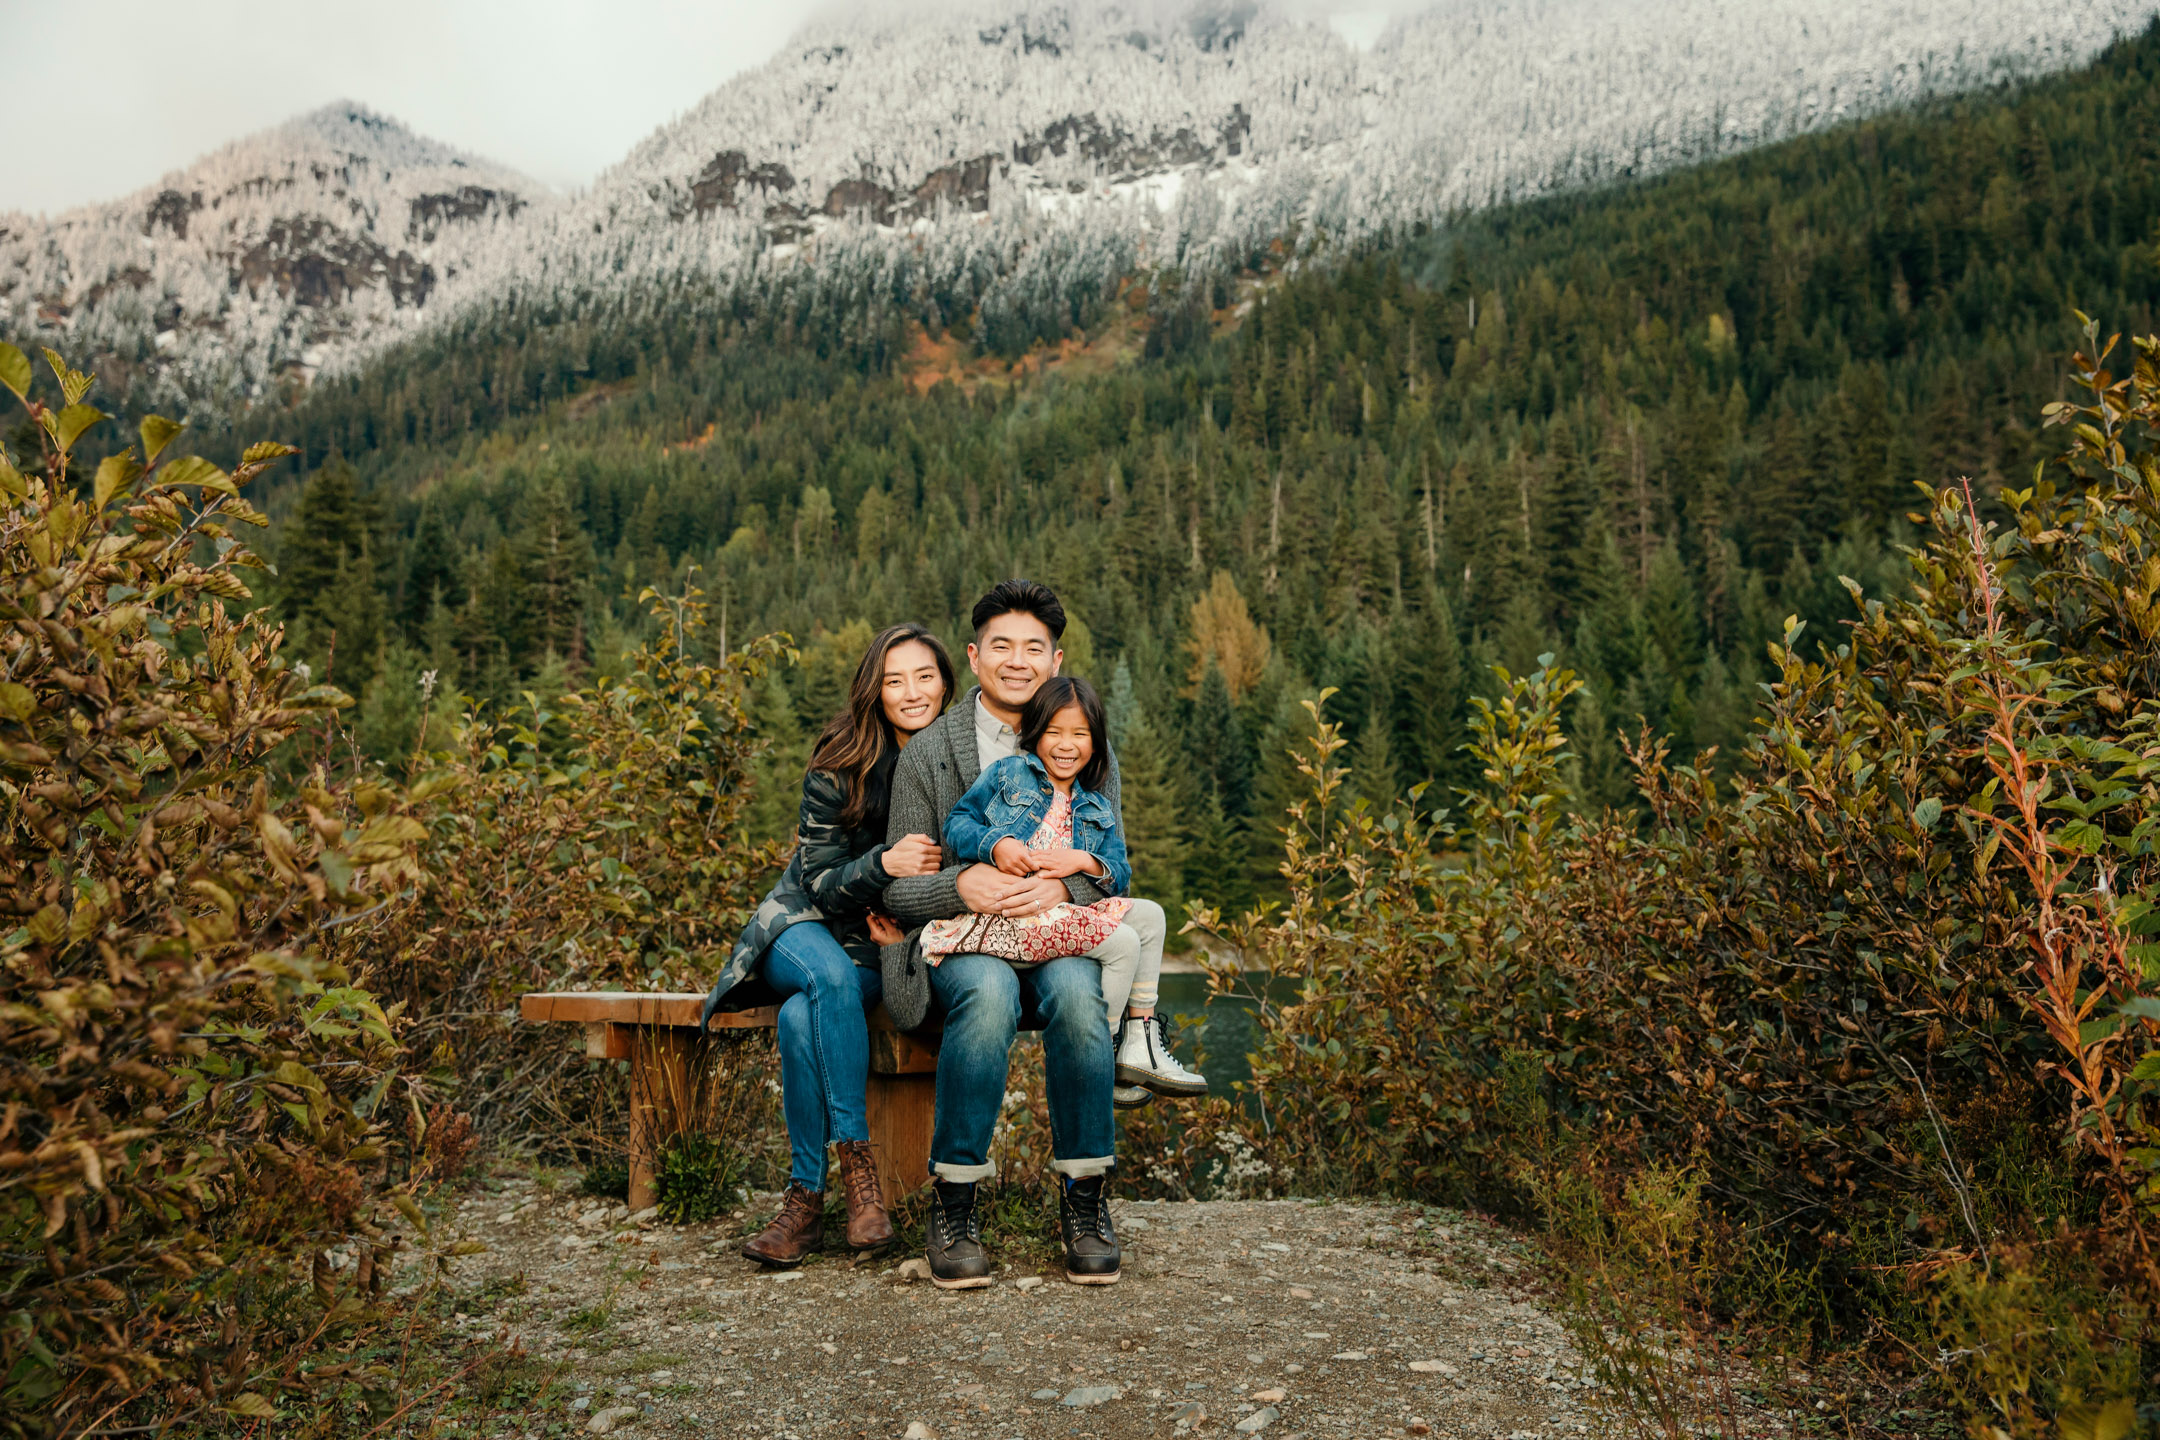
[(1889, 1000), (696, 1178), (198, 1105), (595, 841)]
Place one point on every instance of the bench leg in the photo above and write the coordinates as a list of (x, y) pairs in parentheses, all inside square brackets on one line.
[(900, 1110), (659, 1085)]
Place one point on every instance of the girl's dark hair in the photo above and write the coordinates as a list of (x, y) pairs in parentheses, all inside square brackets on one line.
[(857, 746), (1056, 693)]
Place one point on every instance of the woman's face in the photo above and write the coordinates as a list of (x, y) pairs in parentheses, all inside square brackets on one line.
[(914, 687), (1067, 745)]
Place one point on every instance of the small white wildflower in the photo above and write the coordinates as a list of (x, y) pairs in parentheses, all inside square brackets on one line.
[(427, 684), (303, 671)]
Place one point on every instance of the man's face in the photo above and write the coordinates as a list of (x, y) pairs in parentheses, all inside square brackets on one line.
[(1012, 657)]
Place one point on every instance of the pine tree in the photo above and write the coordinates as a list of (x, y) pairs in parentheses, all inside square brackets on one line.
[(1372, 763), (1217, 741), (1219, 857), (1158, 811), (777, 776), (330, 525), (432, 573), (557, 557), (1429, 691), (327, 584)]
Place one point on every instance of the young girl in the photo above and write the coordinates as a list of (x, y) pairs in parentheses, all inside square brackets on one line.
[(1042, 812)]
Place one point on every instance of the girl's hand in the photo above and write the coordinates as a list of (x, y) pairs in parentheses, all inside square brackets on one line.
[(1057, 864), (1012, 857), (884, 930), (912, 855)]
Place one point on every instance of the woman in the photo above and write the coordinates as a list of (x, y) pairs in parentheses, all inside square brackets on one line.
[(815, 938)]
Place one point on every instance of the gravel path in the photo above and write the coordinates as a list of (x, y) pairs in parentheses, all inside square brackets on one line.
[(1281, 1318)]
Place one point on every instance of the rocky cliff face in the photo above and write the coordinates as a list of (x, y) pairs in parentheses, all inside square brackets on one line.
[(257, 263), (978, 158)]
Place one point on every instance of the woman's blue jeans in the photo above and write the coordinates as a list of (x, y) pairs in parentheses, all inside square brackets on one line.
[(824, 1043)]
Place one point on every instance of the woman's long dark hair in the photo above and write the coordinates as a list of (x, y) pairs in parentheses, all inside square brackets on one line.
[(857, 745), (1056, 693)]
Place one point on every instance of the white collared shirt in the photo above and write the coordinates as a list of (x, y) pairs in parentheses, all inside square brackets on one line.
[(994, 739)]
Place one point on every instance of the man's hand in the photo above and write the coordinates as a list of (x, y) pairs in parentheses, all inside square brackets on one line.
[(884, 930), (913, 855), (1035, 896), (1057, 864), (1012, 857), (984, 888), (988, 891)]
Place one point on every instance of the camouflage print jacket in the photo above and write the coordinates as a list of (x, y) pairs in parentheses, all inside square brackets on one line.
[(836, 877)]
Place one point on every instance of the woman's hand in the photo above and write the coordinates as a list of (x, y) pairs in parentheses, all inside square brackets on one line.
[(913, 855), (1057, 864), (883, 929), (1012, 857)]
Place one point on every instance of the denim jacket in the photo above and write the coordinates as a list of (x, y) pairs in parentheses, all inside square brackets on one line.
[(1008, 800)]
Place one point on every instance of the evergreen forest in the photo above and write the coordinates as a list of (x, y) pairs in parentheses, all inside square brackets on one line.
[(1635, 428)]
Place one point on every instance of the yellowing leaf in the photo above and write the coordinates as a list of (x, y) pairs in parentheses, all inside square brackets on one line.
[(114, 474), (93, 1165), (250, 1406), (48, 925), (16, 702), (194, 470), (67, 426), (15, 371), (392, 830), (263, 451), (411, 1211), (157, 433), (2111, 1421)]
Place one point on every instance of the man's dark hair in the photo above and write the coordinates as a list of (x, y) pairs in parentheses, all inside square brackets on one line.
[(1021, 597), (1056, 693)]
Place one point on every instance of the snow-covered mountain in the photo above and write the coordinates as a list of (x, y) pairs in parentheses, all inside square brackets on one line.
[(985, 158), (313, 240)]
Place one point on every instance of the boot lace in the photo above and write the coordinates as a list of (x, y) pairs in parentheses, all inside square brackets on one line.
[(859, 1174), (799, 1205), (1088, 1208), (956, 1214)]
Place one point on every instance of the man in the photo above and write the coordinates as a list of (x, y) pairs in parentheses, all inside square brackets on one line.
[(984, 999)]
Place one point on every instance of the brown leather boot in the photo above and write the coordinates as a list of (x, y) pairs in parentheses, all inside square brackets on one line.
[(797, 1230), (868, 1226)]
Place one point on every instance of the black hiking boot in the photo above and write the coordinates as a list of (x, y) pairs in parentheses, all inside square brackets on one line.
[(1091, 1248), (957, 1261)]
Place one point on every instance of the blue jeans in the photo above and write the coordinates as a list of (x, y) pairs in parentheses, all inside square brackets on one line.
[(824, 1043), (983, 1000)]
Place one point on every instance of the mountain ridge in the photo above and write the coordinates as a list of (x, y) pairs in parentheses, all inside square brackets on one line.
[(982, 162)]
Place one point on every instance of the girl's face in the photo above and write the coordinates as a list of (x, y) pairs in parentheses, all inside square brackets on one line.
[(1066, 746), (914, 687)]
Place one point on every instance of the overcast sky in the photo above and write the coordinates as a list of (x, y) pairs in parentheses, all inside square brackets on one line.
[(559, 89)]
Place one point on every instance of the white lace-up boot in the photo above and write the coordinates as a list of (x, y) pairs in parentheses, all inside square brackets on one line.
[(1144, 1059)]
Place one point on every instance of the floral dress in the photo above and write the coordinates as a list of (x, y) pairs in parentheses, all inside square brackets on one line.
[(1062, 930)]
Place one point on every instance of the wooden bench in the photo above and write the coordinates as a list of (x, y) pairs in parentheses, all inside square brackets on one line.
[(657, 1033)]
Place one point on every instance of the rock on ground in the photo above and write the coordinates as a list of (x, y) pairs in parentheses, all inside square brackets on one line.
[(1279, 1318)]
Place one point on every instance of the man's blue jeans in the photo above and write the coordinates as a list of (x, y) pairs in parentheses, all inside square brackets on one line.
[(983, 1000), (824, 1043)]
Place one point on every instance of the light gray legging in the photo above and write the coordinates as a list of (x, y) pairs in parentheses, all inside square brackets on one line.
[(1132, 960)]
